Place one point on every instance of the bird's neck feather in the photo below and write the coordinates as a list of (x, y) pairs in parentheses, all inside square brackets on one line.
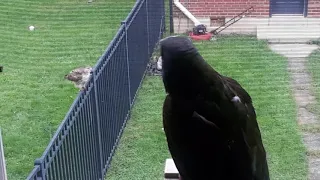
[(191, 79)]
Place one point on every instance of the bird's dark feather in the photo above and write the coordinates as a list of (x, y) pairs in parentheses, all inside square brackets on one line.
[(209, 136), (182, 134)]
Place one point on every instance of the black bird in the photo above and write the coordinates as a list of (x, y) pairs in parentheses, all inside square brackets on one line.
[(209, 120)]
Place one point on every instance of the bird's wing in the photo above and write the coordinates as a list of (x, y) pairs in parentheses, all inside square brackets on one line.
[(82, 70), (243, 111), (251, 132), (79, 73), (74, 77), (186, 132), (237, 118)]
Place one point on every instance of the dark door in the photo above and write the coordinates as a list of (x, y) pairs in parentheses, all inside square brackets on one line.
[(287, 6)]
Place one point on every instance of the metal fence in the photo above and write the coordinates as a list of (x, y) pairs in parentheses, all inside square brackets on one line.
[(84, 143), (3, 173)]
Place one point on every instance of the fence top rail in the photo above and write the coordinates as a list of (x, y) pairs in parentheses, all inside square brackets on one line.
[(34, 172)]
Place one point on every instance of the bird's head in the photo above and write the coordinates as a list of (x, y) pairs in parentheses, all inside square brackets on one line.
[(179, 61), (66, 76), (176, 51)]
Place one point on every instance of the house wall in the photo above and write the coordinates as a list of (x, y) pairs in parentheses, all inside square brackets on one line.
[(181, 22), (314, 8), (226, 8), (203, 9), (230, 8)]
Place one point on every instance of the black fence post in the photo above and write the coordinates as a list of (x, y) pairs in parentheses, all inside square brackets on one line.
[(97, 123), (124, 23), (148, 36), (171, 16), (41, 173), (165, 18), (163, 25)]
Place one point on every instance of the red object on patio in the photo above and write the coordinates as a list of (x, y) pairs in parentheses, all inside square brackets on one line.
[(203, 37)]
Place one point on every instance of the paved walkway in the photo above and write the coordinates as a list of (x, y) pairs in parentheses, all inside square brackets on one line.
[(305, 100)]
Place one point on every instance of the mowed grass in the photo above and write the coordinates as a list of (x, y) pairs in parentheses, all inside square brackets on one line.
[(34, 97), (143, 149), (313, 66)]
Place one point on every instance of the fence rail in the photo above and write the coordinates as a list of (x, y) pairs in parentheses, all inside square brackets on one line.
[(83, 146)]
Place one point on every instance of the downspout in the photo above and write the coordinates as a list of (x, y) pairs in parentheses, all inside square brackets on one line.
[(186, 12)]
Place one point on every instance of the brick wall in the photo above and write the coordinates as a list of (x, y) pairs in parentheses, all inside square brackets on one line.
[(182, 23), (230, 8), (227, 8), (314, 8)]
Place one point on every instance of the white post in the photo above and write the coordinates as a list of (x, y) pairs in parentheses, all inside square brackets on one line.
[(186, 12), (3, 172)]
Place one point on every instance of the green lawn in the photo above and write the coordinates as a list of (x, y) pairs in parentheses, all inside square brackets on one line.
[(313, 66), (143, 150), (34, 97)]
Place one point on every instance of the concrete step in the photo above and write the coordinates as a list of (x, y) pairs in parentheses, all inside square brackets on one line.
[(295, 55), (288, 36), (292, 33), (289, 29), (294, 50), (313, 28), (293, 47), (293, 20), (289, 40)]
